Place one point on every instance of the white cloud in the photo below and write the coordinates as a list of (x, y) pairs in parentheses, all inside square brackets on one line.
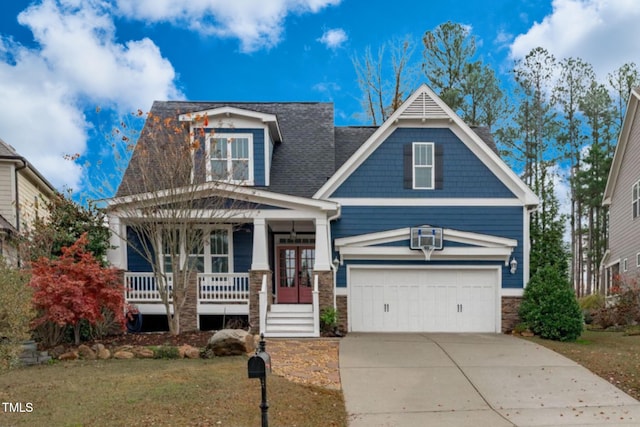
[(257, 24), (77, 65), (601, 32), (333, 38)]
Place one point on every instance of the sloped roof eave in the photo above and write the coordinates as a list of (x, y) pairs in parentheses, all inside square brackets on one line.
[(621, 146)]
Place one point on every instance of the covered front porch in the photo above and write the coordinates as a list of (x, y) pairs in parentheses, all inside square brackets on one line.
[(273, 266)]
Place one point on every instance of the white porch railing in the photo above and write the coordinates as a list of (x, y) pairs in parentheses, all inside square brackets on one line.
[(212, 288), (223, 287), (316, 307), (141, 287)]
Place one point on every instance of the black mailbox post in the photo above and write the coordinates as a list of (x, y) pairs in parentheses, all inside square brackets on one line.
[(258, 366)]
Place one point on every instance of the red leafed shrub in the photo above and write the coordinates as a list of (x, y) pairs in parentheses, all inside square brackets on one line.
[(75, 287)]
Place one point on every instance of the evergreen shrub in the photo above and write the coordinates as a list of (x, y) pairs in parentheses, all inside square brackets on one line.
[(550, 308)]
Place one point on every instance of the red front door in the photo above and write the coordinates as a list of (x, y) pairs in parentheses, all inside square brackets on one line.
[(294, 275)]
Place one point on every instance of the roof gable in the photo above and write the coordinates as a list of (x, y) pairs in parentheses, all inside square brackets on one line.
[(199, 117), (622, 146), (425, 107)]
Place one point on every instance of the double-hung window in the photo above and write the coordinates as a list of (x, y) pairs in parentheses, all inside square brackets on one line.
[(423, 165), (230, 158), (219, 251), (206, 250), (635, 200)]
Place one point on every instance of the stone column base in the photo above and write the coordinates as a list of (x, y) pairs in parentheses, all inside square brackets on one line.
[(510, 316), (255, 285), (342, 307)]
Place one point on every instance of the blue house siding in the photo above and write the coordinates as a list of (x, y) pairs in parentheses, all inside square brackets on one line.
[(135, 261), (242, 248), (497, 221), (464, 175), (242, 251)]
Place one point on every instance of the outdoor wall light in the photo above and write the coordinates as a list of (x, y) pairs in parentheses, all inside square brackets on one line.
[(514, 265)]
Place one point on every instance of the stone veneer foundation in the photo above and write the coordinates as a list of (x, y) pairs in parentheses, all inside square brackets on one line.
[(510, 317), (255, 285)]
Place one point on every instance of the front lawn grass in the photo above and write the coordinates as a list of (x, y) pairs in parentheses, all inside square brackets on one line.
[(612, 355), (211, 392)]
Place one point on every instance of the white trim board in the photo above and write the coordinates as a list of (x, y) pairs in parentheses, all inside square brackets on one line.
[(204, 190), (421, 201), (451, 235), (197, 118)]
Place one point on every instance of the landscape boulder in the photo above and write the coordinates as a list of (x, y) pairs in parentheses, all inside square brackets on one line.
[(231, 342), (102, 352), (123, 354), (86, 353), (143, 352), (189, 352), (70, 355)]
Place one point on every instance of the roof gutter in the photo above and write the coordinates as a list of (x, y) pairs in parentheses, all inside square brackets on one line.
[(15, 179)]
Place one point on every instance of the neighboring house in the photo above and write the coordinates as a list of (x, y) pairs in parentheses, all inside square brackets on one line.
[(23, 196), (337, 206), (622, 196)]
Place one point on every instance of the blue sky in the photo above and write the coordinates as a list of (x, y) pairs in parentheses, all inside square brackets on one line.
[(59, 59)]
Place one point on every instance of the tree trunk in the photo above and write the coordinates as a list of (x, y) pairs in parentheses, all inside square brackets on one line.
[(76, 333)]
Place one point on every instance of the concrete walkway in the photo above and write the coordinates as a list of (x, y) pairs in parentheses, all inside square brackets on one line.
[(472, 380)]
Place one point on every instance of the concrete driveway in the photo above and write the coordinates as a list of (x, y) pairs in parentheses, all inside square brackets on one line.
[(472, 380)]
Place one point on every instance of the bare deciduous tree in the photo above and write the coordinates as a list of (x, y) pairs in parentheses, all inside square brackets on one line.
[(385, 86), (178, 181)]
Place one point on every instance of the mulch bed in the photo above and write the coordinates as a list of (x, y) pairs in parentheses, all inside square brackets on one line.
[(313, 361), (194, 339)]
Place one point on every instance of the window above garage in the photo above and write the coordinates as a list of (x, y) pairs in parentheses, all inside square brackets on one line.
[(423, 166)]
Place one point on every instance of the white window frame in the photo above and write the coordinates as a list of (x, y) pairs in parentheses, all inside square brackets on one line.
[(635, 200), (625, 265), (206, 235), (229, 136), (414, 166), (638, 260)]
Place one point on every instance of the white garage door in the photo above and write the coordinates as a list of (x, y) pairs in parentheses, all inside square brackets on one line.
[(423, 300)]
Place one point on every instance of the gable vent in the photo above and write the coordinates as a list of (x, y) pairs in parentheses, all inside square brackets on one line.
[(424, 107)]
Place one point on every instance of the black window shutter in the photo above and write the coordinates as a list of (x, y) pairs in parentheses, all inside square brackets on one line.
[(408, 165), (439, 165)]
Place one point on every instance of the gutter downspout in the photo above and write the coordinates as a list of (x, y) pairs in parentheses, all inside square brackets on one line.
[(18, 169), (334, 267)]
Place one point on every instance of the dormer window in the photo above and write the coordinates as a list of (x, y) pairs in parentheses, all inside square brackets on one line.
[(230, 158)]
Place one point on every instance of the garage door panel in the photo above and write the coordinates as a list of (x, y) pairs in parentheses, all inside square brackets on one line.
[(430, 300)]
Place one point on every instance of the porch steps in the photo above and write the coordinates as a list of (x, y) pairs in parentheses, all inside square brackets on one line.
[(290, 320)]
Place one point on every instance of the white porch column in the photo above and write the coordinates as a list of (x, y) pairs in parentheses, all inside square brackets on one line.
[(117, 254), (323, 263), (260, 255)]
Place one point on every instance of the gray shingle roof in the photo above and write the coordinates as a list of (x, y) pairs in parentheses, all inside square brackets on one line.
[(312, 147), (301, 163), (348, 139), (485, 134), (7, 150)]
